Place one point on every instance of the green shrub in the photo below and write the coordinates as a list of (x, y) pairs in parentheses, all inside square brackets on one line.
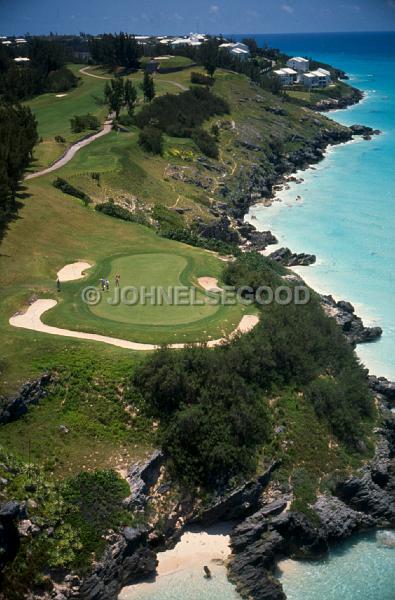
[(206, 143), (201, 79), (67, 188), (114, 210), (81, 123), (151, 139), (60, 139), (178, 115), (61, 80)]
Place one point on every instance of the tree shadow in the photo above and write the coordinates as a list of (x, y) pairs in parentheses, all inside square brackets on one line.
[(12, 215)]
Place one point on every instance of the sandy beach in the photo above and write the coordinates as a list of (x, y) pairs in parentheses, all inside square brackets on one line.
[(196, 549)]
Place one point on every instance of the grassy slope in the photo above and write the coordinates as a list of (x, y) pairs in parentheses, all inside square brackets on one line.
[(53, 229)]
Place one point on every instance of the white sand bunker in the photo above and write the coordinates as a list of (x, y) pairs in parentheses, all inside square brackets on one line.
[(73, 271), (60, 95), (247, 324), (210, 284), (31, 319)]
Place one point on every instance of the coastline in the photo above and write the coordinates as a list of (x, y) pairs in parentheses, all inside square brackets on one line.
[(196, 548)]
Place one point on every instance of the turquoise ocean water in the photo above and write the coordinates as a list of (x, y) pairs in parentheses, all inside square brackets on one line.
[(346, 218), (347, 213)]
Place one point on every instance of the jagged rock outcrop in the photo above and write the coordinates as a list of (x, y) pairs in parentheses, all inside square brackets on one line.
[(352, 325), (126, 560), (221, 229), (16, 406), (382, 386), (10, 513), (141, 477), (285, 257), (236, 503)]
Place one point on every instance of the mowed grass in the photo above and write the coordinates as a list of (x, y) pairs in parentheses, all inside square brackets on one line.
[(53, 230), (53, 113)]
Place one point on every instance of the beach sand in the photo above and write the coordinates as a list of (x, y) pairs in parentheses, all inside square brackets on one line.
[(195, 549)]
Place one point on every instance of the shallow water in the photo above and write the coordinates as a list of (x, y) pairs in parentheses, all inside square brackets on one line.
[(362, 569), (347, 212)]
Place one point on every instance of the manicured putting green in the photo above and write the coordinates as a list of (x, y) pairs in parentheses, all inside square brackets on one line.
[(156, 273)]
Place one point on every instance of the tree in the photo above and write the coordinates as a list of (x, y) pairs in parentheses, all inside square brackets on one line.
[(151, 139), (252, 45), (209, 56), (148, 87), (130, 94), (114, 93)]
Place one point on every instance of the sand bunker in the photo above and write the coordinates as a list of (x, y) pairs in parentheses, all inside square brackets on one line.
[(73, 271), (210, 284), (31, 319), (60, 95)]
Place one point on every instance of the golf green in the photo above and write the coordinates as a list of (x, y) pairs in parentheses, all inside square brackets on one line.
[(150, 293)]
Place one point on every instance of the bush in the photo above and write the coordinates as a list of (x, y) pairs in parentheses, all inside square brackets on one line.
[(84, 122), (178, 115), (114, 210), (95, 505), (67, 188), (201, 79), (61, 80), (206, 143), (151, 139), (60, 139)]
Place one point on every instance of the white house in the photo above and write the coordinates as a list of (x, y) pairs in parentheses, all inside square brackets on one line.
[(21, 59), (238, 49), (7, 43), (316, 79), (20, 41), (326, 74), (287, 76), (301, 65)]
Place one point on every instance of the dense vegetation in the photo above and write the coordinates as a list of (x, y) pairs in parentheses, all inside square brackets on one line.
[(213, 404), (45, 71), (114, 210), (18, 136), (201, 79), (119, 50), (179, 115), (182, 116), (71, 516), (81, 123), (151, 139)]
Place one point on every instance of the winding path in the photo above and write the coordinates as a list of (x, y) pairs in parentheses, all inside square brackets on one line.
[(71, 152), (31, 319), (84, 71)]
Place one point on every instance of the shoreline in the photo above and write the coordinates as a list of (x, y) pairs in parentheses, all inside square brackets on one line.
[(279, 199), (196, 548)]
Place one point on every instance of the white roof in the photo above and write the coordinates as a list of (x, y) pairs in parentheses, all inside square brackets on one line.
[(285, 71), (21, 59), (20, 41), (311, 75), (239, 51), (227, 45), (318, 74), (7, 42), (299, 59), (323, 71)]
